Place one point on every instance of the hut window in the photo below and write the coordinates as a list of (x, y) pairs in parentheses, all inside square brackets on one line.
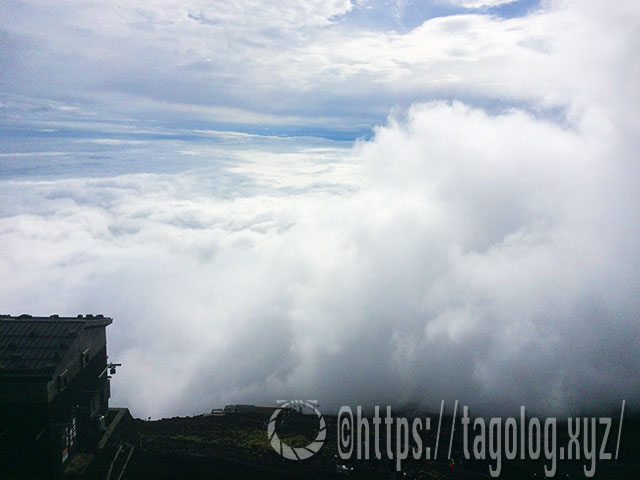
[(62, 381), (84, 358)]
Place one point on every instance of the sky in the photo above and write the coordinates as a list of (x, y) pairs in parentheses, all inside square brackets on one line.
[(363, 202)]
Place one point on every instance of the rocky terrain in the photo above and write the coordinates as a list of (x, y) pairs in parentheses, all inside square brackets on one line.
[(237, 447)]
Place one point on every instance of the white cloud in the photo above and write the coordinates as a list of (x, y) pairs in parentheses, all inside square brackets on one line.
[(190, 60), (488, 257), (479, 3), (484, 258)]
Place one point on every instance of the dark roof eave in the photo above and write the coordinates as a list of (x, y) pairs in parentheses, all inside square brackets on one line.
[(99, 322)]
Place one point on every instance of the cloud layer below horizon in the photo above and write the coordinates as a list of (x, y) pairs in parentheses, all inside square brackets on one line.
[(484, 250), (499, 269)]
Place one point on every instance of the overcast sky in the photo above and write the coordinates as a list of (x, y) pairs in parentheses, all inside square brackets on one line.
[(360, 202)]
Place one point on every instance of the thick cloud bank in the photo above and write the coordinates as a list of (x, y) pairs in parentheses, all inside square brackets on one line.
[(458, 255), (487, 255)]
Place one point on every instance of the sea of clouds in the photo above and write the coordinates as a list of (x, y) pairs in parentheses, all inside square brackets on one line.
[(456, 255), (488, 255)]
